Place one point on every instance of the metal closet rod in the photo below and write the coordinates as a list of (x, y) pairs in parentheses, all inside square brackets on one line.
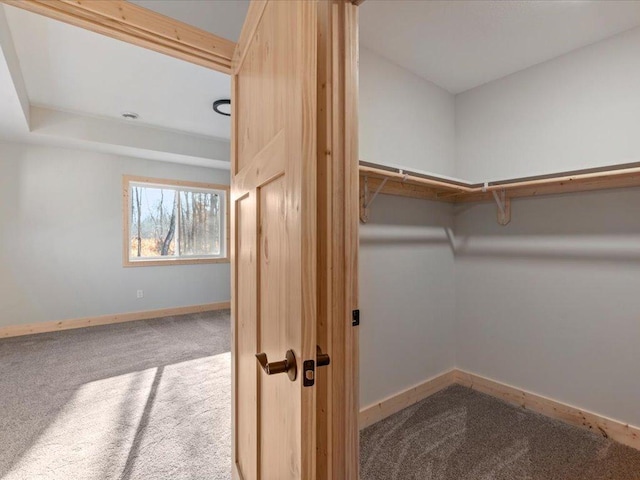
[(461, 188), (405, 176)]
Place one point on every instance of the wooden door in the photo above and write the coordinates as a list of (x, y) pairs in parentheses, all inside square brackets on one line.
[(274, 240)]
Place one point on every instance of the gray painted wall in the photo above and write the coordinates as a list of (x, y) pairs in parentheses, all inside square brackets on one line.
[(61, 239), (403, 118), (577, 111), (407, 303), (550, 302), (406, 265)]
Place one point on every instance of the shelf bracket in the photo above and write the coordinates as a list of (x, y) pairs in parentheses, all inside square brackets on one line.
[(366, 200), (504, 207)]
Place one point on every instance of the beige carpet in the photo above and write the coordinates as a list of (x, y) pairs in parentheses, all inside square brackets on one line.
[(460, 434), (141, 400)]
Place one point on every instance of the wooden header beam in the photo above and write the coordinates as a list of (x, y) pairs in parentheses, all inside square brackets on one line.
[(130, 23)]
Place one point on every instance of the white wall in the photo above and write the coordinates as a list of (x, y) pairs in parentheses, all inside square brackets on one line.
[(406, 286), (407, 329), (580, 110), (404, 119), (550, 302), (61, 239)]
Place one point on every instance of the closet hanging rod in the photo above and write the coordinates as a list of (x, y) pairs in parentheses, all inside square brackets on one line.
[(398, 182), (601, 176), (619, 176), (410, 178)]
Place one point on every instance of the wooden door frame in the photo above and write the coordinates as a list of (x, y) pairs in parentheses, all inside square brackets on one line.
[(338, 216), (139, 26), (338, 385)]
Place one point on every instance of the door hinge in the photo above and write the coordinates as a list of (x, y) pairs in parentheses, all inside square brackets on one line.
[(308, 373), (355, 318)]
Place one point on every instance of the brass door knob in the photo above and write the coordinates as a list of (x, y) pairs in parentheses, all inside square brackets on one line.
[(287, 365), (322, 359)]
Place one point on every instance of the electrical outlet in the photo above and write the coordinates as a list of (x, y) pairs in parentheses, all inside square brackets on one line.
[(139, 294)]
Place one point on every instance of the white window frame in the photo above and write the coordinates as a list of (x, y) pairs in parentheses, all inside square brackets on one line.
[(130, 180)]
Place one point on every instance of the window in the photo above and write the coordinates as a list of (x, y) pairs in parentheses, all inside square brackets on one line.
[(173, 222)]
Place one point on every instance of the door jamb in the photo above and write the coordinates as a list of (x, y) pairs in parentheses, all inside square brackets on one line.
[(338, 200)]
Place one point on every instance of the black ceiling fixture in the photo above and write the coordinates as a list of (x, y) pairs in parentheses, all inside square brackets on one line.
[(221, 103)]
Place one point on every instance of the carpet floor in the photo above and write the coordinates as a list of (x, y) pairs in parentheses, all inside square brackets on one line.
[(151, 400), (132, 401), (460, 434)]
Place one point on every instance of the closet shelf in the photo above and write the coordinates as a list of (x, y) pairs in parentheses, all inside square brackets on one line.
[(408, 184), (376, 179)]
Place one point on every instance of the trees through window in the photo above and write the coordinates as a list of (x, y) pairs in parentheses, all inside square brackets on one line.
[(175, 221)]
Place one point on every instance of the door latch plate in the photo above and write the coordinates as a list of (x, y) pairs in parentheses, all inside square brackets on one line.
[(308, 373)]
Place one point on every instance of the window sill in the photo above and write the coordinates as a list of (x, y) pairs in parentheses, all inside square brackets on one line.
[(176, 261)]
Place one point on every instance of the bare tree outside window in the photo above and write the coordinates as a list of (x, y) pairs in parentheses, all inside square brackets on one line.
[(200, 221), (175, 222)]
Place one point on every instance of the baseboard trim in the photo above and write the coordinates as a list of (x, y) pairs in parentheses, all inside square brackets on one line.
[(607, 427), (393, 404), (620, 432), (44, 327)]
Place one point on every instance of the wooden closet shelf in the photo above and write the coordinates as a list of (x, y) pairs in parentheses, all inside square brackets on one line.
[(416, 185)]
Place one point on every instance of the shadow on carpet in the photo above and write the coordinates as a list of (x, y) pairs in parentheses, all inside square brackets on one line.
[(132, 401), (460, 434)]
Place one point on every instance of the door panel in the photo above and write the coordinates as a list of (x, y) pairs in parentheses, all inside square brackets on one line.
[(245, 411), (276, 338), (274, 259)]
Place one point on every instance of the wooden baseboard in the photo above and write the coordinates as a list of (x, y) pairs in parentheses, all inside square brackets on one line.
[(43, 327), (390, 405), (607, 427)]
